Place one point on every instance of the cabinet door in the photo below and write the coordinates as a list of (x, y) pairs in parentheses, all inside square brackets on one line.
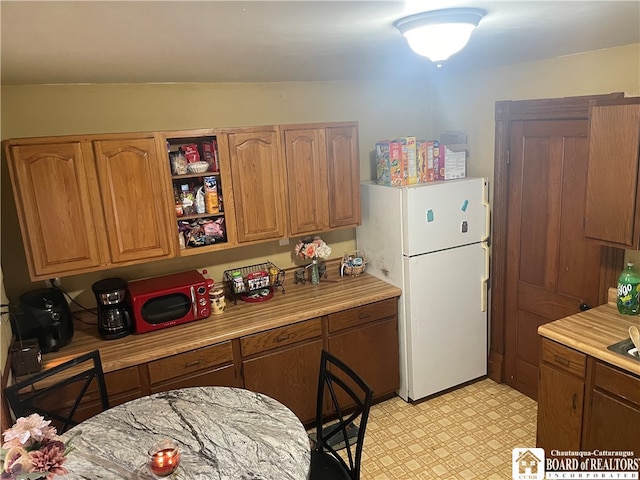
[(306, 180), (289, 375), (131, 179), (60, 225), (560, 402), (258, 185), (613, 424), (613, 421), (612, 214), (371, 350), (343, 165), (122, 386)]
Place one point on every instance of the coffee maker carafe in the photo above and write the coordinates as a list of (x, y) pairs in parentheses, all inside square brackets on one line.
[(114, 317)]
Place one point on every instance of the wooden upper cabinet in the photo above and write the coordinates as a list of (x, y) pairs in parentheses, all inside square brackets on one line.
[(257, 177), (612, 211), (58, 219), (87, 203), (343, 166), (308, 198), (131, 178), (323, 176)]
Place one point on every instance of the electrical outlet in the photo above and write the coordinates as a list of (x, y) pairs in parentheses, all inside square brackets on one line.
[(283, 242), (52, 282)]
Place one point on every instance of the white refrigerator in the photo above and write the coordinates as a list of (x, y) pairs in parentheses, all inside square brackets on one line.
[(430, 240)]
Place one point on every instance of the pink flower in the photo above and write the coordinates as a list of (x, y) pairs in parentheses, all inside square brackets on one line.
[(49, 459), (33, 446), (312, 248), (27, 431)]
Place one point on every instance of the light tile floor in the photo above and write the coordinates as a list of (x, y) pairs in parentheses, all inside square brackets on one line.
[(467, 433)]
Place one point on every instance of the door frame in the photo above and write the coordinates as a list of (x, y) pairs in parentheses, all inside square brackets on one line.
[(567, 108)]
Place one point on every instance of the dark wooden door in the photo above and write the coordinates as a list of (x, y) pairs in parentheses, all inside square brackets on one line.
[(543, 269), (551, 269)]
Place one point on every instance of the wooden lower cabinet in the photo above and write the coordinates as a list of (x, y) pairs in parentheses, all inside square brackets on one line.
[(122, 386), (284, 363), (560, 414), (366, 339), (584, 403), (613, 419)]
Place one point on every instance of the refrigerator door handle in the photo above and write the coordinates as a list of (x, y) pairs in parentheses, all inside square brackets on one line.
[(487, 211), (484, 290)]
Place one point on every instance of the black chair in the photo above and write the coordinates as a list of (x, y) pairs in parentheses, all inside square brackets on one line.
[(351, 401), (57, 393)]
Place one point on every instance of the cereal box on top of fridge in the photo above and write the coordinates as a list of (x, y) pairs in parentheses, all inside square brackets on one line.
[(409, 160), (389, 163), (424, 151), (438, 162)]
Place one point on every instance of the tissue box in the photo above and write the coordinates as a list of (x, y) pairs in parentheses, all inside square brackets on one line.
[(453, 162)]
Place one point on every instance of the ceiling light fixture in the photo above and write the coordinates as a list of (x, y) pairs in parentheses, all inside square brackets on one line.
[(438, 34)]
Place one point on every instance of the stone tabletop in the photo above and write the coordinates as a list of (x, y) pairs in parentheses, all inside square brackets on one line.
[(223, 433)]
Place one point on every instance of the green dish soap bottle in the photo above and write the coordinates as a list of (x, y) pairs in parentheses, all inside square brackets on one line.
[(628, 282)]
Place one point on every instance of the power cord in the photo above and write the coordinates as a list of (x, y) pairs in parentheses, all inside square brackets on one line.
[(92, 311)]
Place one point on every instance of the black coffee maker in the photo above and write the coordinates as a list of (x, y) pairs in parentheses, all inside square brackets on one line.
[(114, 316)]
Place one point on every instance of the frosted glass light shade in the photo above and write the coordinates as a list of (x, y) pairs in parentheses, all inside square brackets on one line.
[(440, 33), (439, 42)]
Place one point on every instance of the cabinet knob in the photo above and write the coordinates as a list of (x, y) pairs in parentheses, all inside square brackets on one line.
[(584, 306)]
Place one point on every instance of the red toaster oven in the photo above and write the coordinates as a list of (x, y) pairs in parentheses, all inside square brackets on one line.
[(169, 300)]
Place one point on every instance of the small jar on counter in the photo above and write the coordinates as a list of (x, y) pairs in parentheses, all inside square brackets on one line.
[(217, 300)]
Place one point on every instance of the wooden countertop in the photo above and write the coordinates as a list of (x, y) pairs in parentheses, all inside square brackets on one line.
[(300, 302), (591, 332)]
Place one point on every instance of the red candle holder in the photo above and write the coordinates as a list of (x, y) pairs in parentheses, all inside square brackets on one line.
[(164, 457)]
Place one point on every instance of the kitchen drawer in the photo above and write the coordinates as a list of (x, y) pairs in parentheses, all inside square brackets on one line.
[(365, 314), (617, 382), (223, 376), (564, 358), (279, 337), (189, 362)]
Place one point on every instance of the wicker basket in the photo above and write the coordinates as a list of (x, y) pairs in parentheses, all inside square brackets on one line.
[(349, 268)]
